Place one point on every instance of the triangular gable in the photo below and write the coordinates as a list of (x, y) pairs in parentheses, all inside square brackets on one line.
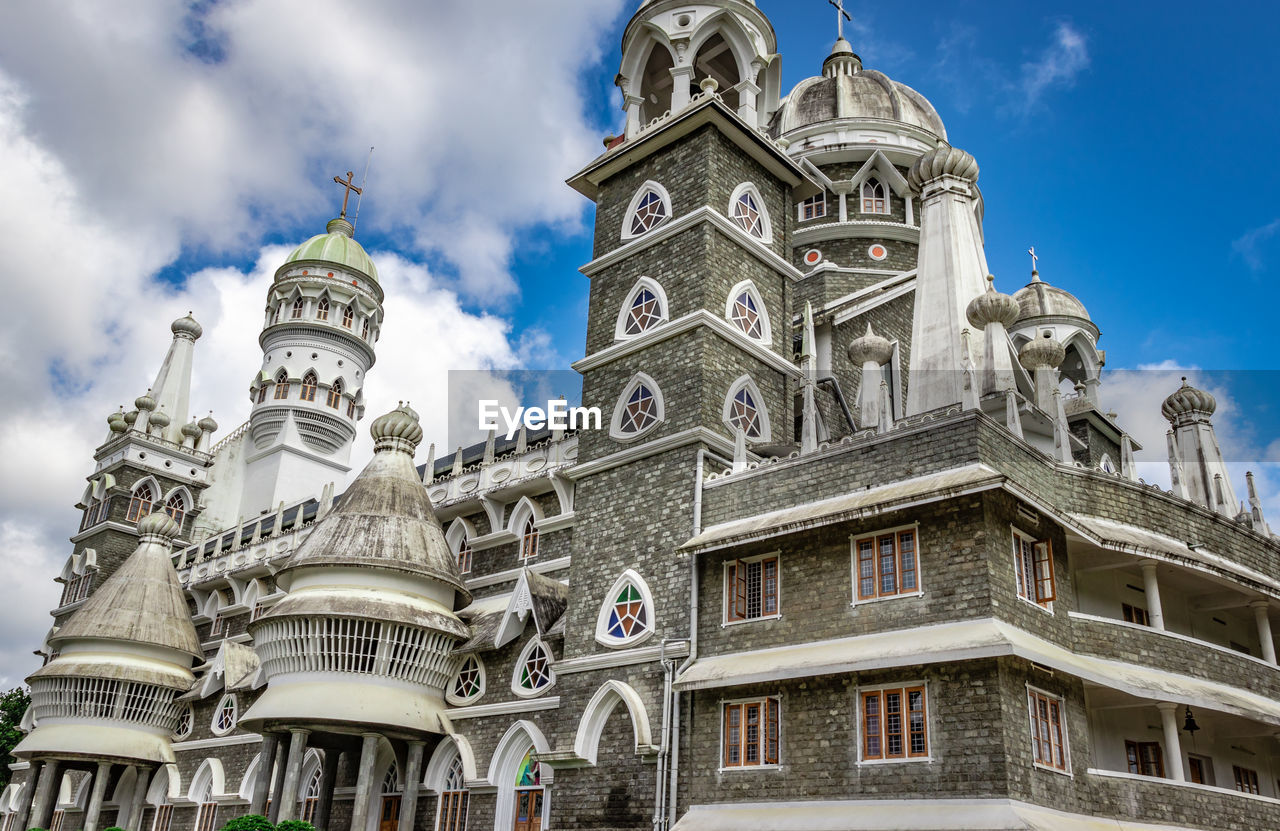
[(879, 163), (534, 595), (234, 667)]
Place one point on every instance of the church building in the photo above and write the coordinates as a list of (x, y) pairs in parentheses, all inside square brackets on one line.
[(858, 544)]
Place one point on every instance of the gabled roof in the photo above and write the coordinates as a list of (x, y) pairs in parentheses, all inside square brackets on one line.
[(498, 620)]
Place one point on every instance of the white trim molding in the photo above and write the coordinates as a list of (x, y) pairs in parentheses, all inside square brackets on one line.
[(627, 578), (746, 383), (748, 287), (766, 226), (647, 188)]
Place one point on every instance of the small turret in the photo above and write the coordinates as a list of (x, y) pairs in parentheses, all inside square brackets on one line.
[(1195, 460)]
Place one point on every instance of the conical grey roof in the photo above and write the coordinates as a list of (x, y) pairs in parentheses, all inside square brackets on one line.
[(143, 602), (385, 519)]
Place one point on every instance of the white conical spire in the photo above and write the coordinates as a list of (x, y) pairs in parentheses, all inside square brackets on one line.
[(172, 388)]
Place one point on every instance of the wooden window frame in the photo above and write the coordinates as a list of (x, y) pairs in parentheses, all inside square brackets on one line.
[(880, 730), (895, 535), (1206, 769), (452, 812), (207, 817), (1059, 740), (310, 383), (1039, 587), (1136, 615), (815, 207), (322, 309), (1142, 757), (877, 205), (1246, 780), (162, 818), (529, 539), (738, 593), (767, 714), (348, 316), (333, 398)]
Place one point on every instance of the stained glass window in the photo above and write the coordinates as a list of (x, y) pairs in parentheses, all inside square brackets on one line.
[(747, 214), (629, 616), (640, 410), (226, 716), (645, 312), (528, 774), (744, 415), (649, 212), (535, 672), (469, 683), (746, 315)]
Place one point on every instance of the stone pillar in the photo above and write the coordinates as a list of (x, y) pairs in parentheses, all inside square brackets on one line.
[(842, 190), (96, 796), (681, 81), (1262, 615), (262, 776), (633, 116), (1172, 741), (1155, 612), (140, 786), (412, 783), (328, 778), (277, 794), (748, 98), (292, 773), (46, 793), (364, 781), (28, 794)]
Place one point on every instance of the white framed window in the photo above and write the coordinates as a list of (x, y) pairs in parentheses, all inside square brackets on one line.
[(141, 500), (893, 723), (468, 683), (752, 588), (225, 716), (815, 207), (1049, 745), (186, 722), (745, 309), (533, 675), (524, 524), (744, 410), (649, 208), (751, 732), (459, 538), (282, 384), (886, 564), (626, 616), (638, 410), (298, 306), (322, 308), (747, 210), (452, 812), (1033, 566), (176, 505), (875, 197), (645, 308)]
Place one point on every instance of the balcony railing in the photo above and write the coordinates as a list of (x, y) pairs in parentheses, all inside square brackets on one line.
[(1153, 800)]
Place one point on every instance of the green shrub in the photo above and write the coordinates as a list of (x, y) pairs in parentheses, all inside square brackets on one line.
[(113, 828), (35, 829), (295, 825), (248, 822)]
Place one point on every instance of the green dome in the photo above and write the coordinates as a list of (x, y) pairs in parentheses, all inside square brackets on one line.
[(336, 246)]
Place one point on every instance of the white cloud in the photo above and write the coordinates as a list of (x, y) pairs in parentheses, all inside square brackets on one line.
[(1065, 58), (1248, 246), (126, 147)]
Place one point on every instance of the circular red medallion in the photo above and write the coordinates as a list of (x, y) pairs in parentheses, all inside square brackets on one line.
[(812, 257), (878, 252)]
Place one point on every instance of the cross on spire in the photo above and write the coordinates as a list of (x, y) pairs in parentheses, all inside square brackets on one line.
[(1034, 259), (346, 194), (841, 17)]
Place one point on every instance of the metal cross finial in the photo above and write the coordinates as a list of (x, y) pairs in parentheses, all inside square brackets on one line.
[(841, 17), (1034, 259), (349, 188)]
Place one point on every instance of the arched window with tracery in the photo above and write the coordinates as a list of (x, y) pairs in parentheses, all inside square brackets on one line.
[(322, 309), (140, 502), (309, 384), (626, 616), (529, 794), (747, 210), (645, 312), (334, 398), (468, 683), (348, 316), (464, 555), (874, 197), (298, 306), (744, 410), (224, 717), (453, 799), (262, 392), (533, 670), (207, 813), (391, 788), (364, 329), (311, 798), (529, 540), (649, 208), (176, 507), (282, 385), (276, 315), (747, 313), (639, 408)]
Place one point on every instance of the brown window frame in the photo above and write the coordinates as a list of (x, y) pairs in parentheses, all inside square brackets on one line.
[(877, 558), (1145, 758), (736, 719), (1052, 720), (1034, 570), (529, 539), (310, 383), (1246, 779), (744, 599), (1135, 614), (874, 723), (1199, 769)]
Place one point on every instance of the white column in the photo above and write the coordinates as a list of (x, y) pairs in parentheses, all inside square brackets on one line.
[(292, 773), (1261, 614), (364, 782), (96, 796), (1172, 741), (681, 80), (1155, 612), (842, 189)]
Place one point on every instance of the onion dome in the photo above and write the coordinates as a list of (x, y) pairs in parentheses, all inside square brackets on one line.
[(870, 347), (942, 161), (187, 327), (130, 418), (158, 419), (1039, 299), (992, 307), (338, 246), (191, 430), (1188, 401), (116, 422), (207, 423), (847, 91), (399, 425), (1042, 353), (144, 402)]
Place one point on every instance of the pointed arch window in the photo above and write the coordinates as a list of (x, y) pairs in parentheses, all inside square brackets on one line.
[(176, 507), (207, 813), (334, 398), (364, 329), (322, 309), (464, 556), (874, 197), (186, 722), (309, 384), (262, 393), (639, 409), (529, 539), (311, 798), (348, 316), (744, 410), (225, 715), (282, 385), (746, 207), (453, 799), (533, 674), (140, 502), (529, 794), (746, 311), (645, 308), (626, 617), (298, 306), (276, 316), (468, 683), (351, 408), (391, 789), (649, 208)]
